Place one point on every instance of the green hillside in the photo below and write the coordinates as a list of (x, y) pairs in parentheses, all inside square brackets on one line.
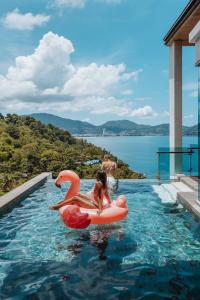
[(28, 147), (73, 126)]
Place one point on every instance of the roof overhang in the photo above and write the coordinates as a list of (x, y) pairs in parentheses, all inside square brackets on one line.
[(184, 24)]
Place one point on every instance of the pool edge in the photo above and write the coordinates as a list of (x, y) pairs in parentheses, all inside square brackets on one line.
[(16, 195)]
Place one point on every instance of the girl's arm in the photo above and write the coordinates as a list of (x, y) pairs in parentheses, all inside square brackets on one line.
[(107, 196), (97, 195)]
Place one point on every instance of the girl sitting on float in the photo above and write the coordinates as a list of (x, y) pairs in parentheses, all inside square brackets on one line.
[(92, 199)]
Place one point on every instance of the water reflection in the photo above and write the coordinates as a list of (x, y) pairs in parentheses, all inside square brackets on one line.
[(99, 239)]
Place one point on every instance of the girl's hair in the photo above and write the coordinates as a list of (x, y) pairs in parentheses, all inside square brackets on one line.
[(102, 177)]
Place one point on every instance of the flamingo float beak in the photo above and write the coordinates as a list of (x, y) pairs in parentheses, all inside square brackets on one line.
[(58, 185)]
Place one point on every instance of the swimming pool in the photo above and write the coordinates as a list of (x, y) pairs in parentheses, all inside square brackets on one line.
[(153, 254)]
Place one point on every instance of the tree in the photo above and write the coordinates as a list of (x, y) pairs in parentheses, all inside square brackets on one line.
[(13, 131)]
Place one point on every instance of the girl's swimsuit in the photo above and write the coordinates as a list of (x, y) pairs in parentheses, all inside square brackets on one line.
[(92, 198), (90, 194)]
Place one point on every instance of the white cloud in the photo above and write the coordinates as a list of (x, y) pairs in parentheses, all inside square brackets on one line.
[(116, 107), (70, 3), (48, 81), (166, 114), (80, 3), (111, 1), (51, 91), (191, 116), (127, 92), (41, 75), (192, 88), (49, 66), (86, 120), (142, 112), (142, 99), (133, 75), (19, 21), (94, 79), (16, 89), (194, 94)]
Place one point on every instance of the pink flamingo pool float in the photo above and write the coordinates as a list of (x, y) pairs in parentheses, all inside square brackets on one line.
[(78, 217)]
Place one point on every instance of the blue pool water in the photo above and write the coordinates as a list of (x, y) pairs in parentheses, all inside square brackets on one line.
[(153, 254)]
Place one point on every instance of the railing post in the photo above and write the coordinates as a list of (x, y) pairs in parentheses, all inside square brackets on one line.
[(158, 175), (190, 162), (190, 152)]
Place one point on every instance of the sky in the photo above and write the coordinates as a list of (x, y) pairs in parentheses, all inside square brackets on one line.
[(92, 60)]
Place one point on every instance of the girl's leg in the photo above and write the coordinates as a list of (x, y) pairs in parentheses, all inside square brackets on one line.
[(86, 201), (82, 199), (85, 196)]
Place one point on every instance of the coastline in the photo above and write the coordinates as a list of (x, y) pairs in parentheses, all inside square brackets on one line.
[(125, 135)]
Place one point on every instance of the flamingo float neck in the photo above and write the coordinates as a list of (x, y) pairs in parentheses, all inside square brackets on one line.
[(69, 176)]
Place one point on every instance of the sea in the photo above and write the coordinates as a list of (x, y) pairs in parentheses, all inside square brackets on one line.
[(139, 152)]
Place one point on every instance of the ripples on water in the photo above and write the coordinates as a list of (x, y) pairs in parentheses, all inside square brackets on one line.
[(153, 254)]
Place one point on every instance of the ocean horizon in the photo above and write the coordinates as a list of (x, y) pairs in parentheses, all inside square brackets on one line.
[(139, 152)]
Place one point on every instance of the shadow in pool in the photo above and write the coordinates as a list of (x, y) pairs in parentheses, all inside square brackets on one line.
[(105, 240), (96, 252), (58, 280), (173, 209)]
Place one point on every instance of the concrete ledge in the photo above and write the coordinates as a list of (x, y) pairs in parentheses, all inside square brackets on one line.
[(189, 181), (19, 193), (190, 201)]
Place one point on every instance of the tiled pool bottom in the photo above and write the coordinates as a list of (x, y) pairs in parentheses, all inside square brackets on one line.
[(153, 254)]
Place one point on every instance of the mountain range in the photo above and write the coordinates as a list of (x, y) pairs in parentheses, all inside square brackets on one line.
[(119, 127)]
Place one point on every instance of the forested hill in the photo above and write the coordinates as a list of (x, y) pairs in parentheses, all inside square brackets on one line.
[(28, 147), (118, 127)]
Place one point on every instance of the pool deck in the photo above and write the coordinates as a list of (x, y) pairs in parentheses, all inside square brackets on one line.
[(19, 193), (190, 199), (190, 202)]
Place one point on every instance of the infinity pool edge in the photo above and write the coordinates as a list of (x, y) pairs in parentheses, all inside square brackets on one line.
[(16, 195)]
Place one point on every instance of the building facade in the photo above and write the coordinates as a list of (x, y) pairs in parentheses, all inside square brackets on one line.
[(183, 33)]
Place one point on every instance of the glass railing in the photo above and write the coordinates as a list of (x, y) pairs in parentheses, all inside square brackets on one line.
[(195, 159), (199, 131), (173, 161)]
